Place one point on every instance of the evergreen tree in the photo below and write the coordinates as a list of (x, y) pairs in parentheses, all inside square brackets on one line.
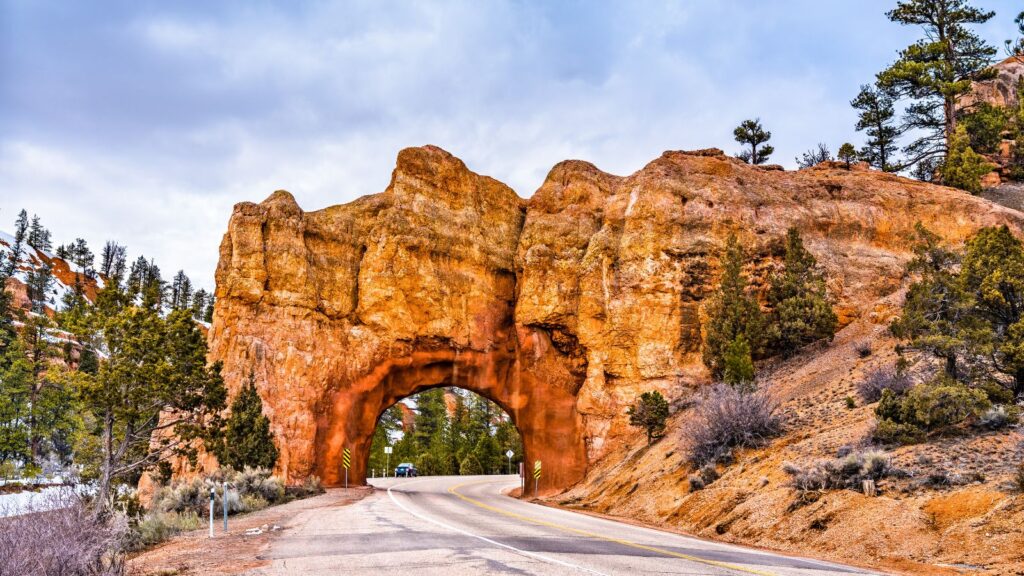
[(153, 396), (113, 260), (81, 255), (984, 127), (650, 412), (992, 280), (964, 168), (247, 439), (813, 157), (936, 315), (208, 312), (38, 236), (751, 133), (738, 370), (199, 304), (63, 253), (15, 391), (800, 309), (731, 311), (936, 71), (847, 154), (875, 118), (38, 284), (20, 236), (181, 292), (388, 426)]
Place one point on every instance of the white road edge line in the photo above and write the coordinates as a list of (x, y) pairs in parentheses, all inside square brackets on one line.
[(540, 557)]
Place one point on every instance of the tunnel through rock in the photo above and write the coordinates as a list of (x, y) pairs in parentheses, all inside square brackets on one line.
[(543, 412), (445, 431)]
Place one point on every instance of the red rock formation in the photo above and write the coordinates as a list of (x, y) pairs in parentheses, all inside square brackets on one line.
[(561, 309)]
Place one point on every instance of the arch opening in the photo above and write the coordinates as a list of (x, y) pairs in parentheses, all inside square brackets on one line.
[(445, 431), (542, 411)]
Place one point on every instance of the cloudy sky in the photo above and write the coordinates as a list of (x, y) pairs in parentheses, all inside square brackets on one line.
[(144, 122)]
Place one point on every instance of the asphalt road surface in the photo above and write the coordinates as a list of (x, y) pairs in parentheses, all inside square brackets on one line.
[(454, 525)]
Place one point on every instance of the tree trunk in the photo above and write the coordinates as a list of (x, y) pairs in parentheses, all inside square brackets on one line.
[(949, 107), (107, 469)]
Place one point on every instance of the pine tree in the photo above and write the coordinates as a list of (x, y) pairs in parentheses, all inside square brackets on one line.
[(81, 255), (738, 369), (38, 236), (964, 167), (847, 154), (181, 292), (155, 378), (208, 312), (936, 312), (38, 285), (750, 133), (813, 157), (199, 304), (113, 260), (800, 309), (20, 236), (936, 71), (247, 439), (875, 117), (731, 311), (650, 412)]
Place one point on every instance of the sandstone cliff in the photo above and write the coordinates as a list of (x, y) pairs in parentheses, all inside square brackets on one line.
[(561, 309)]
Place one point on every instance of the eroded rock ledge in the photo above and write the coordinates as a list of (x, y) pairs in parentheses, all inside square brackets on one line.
[(561, 308)]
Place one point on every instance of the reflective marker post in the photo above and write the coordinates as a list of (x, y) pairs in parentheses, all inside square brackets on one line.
[(224, 497), (536, 477), (211, 512), (387, 467), (346, 461)]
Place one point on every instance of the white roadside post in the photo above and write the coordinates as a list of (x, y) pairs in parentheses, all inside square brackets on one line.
[(224, 498), (211, 511), (387, 467), (509, 455)]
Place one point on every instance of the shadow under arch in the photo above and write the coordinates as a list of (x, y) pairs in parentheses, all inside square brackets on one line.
[(543, 412)]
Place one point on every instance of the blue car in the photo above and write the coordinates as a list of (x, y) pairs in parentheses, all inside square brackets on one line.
[(406, 470)]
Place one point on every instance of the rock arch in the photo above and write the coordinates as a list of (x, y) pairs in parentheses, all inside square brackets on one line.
[(545, 414)]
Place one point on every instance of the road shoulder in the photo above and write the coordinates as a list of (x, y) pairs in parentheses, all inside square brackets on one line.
[(194, 553)]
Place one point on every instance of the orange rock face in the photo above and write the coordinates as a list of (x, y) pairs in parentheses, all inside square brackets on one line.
[(561, 309)]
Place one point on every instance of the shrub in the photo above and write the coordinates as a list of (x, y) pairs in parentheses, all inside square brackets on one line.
[(933, 407), (848, 472), (876, 381), (470, 466), (998, 417), (61, 535), (159, 526), (728, 418), (696, 483), (964, 167), (194, 494), (850, 403), (650, 413), (863, 349), (889, 432)]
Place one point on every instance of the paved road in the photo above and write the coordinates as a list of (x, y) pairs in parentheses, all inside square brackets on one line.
[(456, 525)]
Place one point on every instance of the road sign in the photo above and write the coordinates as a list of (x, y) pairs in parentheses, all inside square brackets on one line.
[(387, 465), (346, 462), (509, 453), (387, 449), (536, 476)]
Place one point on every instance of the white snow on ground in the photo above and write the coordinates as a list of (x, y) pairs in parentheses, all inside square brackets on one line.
[(22, 502)]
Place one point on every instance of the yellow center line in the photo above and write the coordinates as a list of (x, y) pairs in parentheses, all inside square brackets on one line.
[(454, 491)]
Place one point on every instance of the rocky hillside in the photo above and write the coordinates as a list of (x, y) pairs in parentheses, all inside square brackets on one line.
[(566, 306), (64, 275)]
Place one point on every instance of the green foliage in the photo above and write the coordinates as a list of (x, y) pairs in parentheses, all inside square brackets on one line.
[(876, 113), (964, 167), (751, 133), (936, 71), (738, 365), (470, 465), (246, 440), (847, 154), (933, 407), (649, 412), (155, 378), (985, 125), (801, 312), (731, 312)]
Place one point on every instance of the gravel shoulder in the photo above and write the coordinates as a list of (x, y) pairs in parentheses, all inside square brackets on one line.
[(194, 553)]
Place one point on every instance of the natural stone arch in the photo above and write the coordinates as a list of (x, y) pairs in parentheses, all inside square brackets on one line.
[(544, 413)]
